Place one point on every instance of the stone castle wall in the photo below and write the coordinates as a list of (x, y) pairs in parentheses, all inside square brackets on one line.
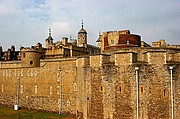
[(119, 39), (39, 86), (113, 85), (98, 87)]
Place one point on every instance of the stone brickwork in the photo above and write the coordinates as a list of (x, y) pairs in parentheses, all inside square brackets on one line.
[(151, 56), (73, 48), (30, 57), (98, 87), (154, 85), (39, 86), (162, 43), (125, 58), (119, 39)]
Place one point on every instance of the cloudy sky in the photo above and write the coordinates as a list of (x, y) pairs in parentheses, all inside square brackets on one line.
[(26, 22)]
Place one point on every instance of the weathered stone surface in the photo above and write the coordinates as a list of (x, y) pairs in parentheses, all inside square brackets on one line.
[(98, 87)]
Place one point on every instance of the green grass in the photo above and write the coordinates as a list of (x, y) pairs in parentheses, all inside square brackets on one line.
[(10, 113)]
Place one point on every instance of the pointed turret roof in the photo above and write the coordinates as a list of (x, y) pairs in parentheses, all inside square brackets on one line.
[(82, 29), (98, 40), (49, 37)]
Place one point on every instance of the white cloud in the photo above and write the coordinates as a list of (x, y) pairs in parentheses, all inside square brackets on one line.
[(26, 22), (5, 10), (60, 27)]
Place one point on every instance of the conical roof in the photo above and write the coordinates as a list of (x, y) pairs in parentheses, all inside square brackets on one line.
[(98, 40), (82, 31), (49, 37)]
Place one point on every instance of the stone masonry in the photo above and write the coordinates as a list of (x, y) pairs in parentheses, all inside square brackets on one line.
[(97, 87)]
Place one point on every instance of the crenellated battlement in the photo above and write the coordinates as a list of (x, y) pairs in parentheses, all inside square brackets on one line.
[(106, 81), (30, 57), (93, 61), (125, 58), (28, 49)]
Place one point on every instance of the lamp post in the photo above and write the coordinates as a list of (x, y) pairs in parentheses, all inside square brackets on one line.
[(137, 92), (16, 107), (172, 104), (18, 92), (76, 94), (60, 91)]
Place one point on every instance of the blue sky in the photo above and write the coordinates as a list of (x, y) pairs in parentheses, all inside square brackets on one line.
[(26, 22)]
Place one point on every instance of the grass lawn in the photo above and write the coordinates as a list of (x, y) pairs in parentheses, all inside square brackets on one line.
[(10, 113)]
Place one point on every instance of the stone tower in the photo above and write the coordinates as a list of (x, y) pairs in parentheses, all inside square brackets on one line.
[(49, 40), (98, 42), (0, 50), (30, 57), (82, 37), (1, 55)]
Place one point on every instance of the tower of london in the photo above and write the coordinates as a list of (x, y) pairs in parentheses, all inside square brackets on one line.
[(121, 78)]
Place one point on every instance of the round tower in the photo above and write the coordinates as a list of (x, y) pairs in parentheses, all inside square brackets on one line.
[(30, 57), (82, 37)]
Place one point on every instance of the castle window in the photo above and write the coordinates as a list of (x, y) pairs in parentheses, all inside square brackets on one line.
[(21, 72), (119, 89), (18, 73), (101, 88), (24, 55), (7, 73), (31, 62), (50, 90), (26, 99), (21, 90), (58, 76), (28, 73), (164, 93), (15, 72), (112, 41), (3, 72), (58, 90), (75, 87), (127, 42), (36, 90), (19, 53), (141, 89), (2, 90), (68, 104)]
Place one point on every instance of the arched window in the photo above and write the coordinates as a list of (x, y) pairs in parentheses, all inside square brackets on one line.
[(141, 89), (164, 92), (101, 88), (36, 89), (112, 42), (50, 90), (119, 89), (24, 55), (31, 62)]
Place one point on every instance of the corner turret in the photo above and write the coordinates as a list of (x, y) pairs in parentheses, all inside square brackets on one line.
[(98, 42), (49, 40), (30, 57), (82, 37)]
